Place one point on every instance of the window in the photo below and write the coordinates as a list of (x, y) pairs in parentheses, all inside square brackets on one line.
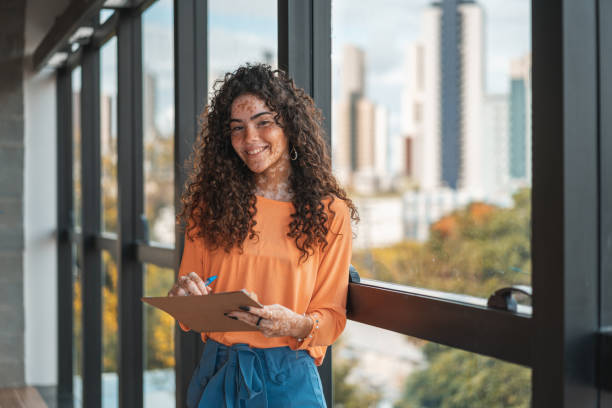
[(108, 134), (158, 120), (432, 139), (110, 326), (445, 220), (159, 378), (240, 32)]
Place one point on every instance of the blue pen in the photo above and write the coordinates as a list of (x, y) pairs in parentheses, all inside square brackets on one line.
[(210, 280)]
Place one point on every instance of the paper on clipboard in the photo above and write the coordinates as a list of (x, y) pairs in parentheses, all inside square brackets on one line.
[(205, 313)]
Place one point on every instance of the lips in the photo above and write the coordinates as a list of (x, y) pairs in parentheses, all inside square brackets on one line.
[(255, 151)]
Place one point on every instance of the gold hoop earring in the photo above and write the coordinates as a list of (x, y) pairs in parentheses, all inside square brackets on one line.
[(293, 153)]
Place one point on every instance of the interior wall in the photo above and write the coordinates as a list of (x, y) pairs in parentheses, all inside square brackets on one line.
[(40, 201), (40, 223)]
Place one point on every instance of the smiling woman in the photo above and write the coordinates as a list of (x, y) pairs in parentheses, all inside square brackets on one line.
[(265, 213), (262, 145)]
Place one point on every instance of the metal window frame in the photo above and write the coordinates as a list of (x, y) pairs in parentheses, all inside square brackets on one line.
[(91, 223), (572, 179), (604, 11), (64, 243), (190, 78), (130, 206)]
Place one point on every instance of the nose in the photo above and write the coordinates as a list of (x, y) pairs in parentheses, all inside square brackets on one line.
[(251, 133)]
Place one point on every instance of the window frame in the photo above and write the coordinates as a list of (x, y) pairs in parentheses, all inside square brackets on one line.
[(572, 192)]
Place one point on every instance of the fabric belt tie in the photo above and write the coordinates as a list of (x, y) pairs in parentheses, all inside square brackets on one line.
[(241, 378)]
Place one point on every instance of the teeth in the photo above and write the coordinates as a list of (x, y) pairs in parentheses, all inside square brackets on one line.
[(250, 152)]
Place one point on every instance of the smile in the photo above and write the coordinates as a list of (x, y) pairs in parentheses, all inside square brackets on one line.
[(255, 151)]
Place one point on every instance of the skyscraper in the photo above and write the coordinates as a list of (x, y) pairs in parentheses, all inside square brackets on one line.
[(444, 96), (520, 119), (361, 132)]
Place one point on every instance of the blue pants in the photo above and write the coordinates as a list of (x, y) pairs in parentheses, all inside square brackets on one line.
[(243, 377)]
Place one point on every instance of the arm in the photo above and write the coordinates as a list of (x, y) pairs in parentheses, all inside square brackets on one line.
[(327, 309), (189, 281)]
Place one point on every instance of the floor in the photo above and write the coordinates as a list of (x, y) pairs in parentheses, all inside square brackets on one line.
[(21, 398)]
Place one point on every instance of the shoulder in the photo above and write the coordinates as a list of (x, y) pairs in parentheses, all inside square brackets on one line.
[(337, 210)]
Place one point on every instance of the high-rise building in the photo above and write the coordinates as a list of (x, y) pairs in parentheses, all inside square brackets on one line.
[(361, 129), (495, 131), (443, 100), (520, 119)]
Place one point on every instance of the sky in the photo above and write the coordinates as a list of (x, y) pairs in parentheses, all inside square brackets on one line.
[(243, 30)]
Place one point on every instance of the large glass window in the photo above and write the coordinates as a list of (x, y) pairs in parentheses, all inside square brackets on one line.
[(240, 32), (432, 138), (376, 367), (108, 134), (77, 337), (158, 120), (76, 146), (110, 330), (159, 389)]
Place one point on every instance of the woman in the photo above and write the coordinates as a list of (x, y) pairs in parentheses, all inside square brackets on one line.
[(264, 213)]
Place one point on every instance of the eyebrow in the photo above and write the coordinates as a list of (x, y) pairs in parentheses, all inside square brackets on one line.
[(252, 117)]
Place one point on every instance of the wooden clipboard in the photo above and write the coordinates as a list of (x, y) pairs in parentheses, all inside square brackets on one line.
[(205, 313)]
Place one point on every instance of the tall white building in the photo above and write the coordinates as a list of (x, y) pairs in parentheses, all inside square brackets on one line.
[(442, 102), (495, 146)]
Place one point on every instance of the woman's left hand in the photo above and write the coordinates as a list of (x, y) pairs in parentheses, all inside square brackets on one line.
[(276, 321)]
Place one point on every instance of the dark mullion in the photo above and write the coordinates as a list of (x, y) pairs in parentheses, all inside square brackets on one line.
[(91, 220), (605, 72), (190, 78), (130, 205), (64, 228), (565, 204), (304, 51), (322, 66), (295, 34), (605, 185)]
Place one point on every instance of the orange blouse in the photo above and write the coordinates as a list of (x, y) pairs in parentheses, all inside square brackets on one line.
[(269, 267)]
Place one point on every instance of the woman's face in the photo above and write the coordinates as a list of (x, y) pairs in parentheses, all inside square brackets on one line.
[(256, 138)]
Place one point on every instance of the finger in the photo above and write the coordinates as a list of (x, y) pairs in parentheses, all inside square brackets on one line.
[(248, 318), (181, 292), (176, 290), (260, 311), (188, 285), (199, 283)]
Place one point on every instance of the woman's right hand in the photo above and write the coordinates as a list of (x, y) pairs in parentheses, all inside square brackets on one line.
[(190, 284)]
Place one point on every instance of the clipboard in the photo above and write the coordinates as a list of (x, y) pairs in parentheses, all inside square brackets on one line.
[(205, 313)]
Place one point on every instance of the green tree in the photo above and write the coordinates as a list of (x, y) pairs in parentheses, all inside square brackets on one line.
[(458, 379)]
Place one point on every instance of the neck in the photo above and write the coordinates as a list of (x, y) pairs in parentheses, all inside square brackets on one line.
[(274, 182)]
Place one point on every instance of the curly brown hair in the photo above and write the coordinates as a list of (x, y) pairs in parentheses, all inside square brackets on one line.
[(219, 199)]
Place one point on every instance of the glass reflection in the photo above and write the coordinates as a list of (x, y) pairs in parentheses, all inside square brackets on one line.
[(108, 134), (239, 32), (77, 329), (431, 135), (110, 330), (158, 120), (159, 383), (379, 368), (76, 145)]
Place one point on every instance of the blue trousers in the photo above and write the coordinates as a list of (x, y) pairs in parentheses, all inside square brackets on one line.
[(243, 377)]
